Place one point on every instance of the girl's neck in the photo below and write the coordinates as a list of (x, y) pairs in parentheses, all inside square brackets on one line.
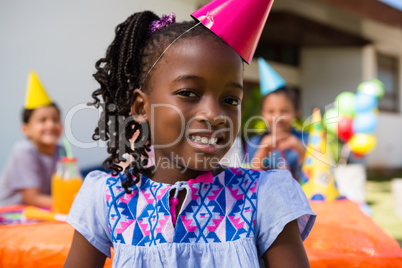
[(173, 175), (45, 149)]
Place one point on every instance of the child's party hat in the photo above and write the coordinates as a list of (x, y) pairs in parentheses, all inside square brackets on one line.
[(269, 79), (238, 22), (318, 180), (36, 95)]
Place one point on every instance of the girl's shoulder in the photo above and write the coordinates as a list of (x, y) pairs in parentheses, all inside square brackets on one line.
[(260, 174), (103, 182), (111, 185), (96, 175), (272, 182), (270, 178), (24, 146), (95, 179), (26, 150), (280, 200), (107, 179)]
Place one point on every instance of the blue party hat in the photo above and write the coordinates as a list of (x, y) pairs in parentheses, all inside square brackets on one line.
[(269, 79)]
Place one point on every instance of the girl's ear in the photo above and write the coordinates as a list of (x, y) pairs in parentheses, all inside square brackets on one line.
[(139, 103), (26, 130)]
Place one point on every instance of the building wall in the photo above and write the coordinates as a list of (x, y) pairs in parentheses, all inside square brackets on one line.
[(388, 41), (291, 73), (342, 69), (62, 40), (326, 72)]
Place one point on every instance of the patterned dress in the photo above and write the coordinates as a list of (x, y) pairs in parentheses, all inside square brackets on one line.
[(227, 220)]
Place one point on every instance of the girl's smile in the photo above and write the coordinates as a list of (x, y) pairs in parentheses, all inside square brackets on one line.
[(207, 142)]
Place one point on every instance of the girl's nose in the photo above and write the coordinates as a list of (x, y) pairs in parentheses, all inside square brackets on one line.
[(51, 123), (211, 111), (278, 115)]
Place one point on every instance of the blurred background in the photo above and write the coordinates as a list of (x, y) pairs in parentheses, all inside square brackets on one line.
[(320, 47)]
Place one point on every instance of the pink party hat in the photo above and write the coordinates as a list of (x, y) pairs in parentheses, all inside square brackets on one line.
[(238, 22)]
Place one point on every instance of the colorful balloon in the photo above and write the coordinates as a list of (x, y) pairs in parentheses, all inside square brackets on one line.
[(357, 156), (362, 144), (330, 121), (345, 103), (365, 102), (372, 87), (345, 128), (365, 122)]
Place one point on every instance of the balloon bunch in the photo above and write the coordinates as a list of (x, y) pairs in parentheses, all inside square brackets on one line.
[(355, 118)]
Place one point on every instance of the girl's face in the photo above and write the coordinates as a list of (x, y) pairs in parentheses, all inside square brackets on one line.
[(279, 112), (194, 102), (44, 127)]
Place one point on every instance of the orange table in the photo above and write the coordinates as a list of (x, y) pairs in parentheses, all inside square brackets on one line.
[(342, 237), (39, 244)]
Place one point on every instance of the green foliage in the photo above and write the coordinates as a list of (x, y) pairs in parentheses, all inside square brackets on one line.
[(335, 145)]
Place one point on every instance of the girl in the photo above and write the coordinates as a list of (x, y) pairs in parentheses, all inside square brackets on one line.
[(26, 178), (282, 146), (180, 88)]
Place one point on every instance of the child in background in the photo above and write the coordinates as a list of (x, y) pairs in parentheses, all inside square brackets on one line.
[(181, 86), (282, 146), (26, 178)]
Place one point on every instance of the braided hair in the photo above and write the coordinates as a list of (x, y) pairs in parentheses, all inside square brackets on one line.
[(125, 68), (288, 92)]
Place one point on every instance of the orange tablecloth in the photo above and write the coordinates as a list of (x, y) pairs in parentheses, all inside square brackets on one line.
[(44, 244), (342, 237)]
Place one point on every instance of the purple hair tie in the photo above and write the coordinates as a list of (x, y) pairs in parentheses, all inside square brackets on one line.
[(164, 21)]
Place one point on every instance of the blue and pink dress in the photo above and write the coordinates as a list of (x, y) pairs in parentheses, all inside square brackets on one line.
[(226, 220)]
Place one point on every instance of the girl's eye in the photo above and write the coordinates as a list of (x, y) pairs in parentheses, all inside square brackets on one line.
[(233, 101), (187, 93)]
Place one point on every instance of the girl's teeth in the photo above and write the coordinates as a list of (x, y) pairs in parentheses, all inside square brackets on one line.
[(204, 140)]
